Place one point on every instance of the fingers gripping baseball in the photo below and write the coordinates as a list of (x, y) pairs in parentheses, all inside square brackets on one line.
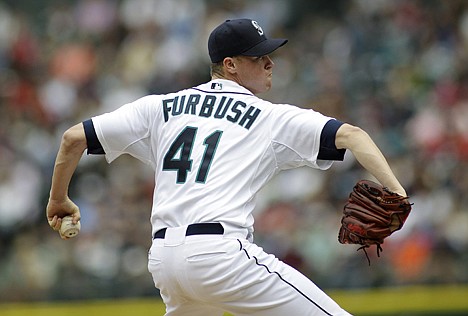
[(64, 217)]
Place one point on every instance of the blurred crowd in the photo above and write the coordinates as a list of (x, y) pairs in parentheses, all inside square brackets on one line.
[(396, 68)]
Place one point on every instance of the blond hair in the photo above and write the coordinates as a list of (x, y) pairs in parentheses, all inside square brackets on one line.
[(217, 69)]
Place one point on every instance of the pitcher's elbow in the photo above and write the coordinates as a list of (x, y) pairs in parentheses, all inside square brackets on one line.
[(75, 138), (347, 134)]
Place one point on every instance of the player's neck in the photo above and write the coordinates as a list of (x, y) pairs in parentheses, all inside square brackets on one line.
[(219, 76)]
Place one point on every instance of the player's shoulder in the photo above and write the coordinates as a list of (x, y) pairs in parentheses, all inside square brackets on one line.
[(149, 99), (280, 109), (153, 100)]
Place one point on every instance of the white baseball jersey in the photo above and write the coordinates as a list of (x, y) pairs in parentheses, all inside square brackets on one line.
[(213, 147)]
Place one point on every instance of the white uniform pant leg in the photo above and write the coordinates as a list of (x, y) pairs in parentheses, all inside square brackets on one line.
[(281, 289), (167, 264), (207, 275)]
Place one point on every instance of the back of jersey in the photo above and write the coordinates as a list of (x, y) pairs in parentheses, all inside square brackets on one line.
[(211, 145)]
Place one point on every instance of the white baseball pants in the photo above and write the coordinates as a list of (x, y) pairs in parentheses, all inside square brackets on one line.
[(206, 275)]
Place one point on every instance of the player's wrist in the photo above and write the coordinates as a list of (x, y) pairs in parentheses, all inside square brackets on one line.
[(58, 198)]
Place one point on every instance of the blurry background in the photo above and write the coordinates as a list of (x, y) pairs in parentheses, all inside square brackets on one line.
[(398, 69)]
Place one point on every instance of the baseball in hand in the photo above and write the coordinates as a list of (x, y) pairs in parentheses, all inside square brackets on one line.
[(68, 229)]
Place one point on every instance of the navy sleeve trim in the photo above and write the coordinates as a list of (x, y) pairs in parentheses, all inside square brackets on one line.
[(328, 150), (94, 145)]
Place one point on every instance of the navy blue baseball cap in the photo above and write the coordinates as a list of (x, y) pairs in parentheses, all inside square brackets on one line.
[(240, 37)]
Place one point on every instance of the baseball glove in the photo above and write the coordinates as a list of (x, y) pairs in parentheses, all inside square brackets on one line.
[(371, 214)]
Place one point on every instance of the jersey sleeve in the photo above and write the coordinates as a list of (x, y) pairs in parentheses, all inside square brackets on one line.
[(328, 150), (303, 137), (127, 130), (92, 141)]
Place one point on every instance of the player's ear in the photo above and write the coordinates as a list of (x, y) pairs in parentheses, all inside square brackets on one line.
[(229, 65)]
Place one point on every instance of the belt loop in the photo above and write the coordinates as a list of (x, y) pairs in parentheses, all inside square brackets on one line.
[(175, 236)]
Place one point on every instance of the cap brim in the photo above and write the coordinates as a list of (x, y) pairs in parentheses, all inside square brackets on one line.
[(266, 47)]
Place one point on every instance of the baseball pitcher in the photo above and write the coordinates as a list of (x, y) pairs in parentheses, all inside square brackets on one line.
[(212, 148)]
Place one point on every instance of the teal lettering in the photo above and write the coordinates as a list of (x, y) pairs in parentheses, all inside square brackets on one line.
[(167, 108), (218, 107), (221, 110), (249, 117), (207, 106), (178, 107), (192, 102), (236, 111)]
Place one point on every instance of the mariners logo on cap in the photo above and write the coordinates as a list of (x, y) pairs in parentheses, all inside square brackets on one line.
[(259, 29)]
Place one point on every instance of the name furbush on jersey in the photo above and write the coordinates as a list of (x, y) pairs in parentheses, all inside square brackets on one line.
[(235, 111)]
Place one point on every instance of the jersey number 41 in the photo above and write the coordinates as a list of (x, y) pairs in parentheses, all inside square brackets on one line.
[(178, 157)]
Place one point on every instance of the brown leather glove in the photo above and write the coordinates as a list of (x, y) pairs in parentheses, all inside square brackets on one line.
[(371, 214)]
